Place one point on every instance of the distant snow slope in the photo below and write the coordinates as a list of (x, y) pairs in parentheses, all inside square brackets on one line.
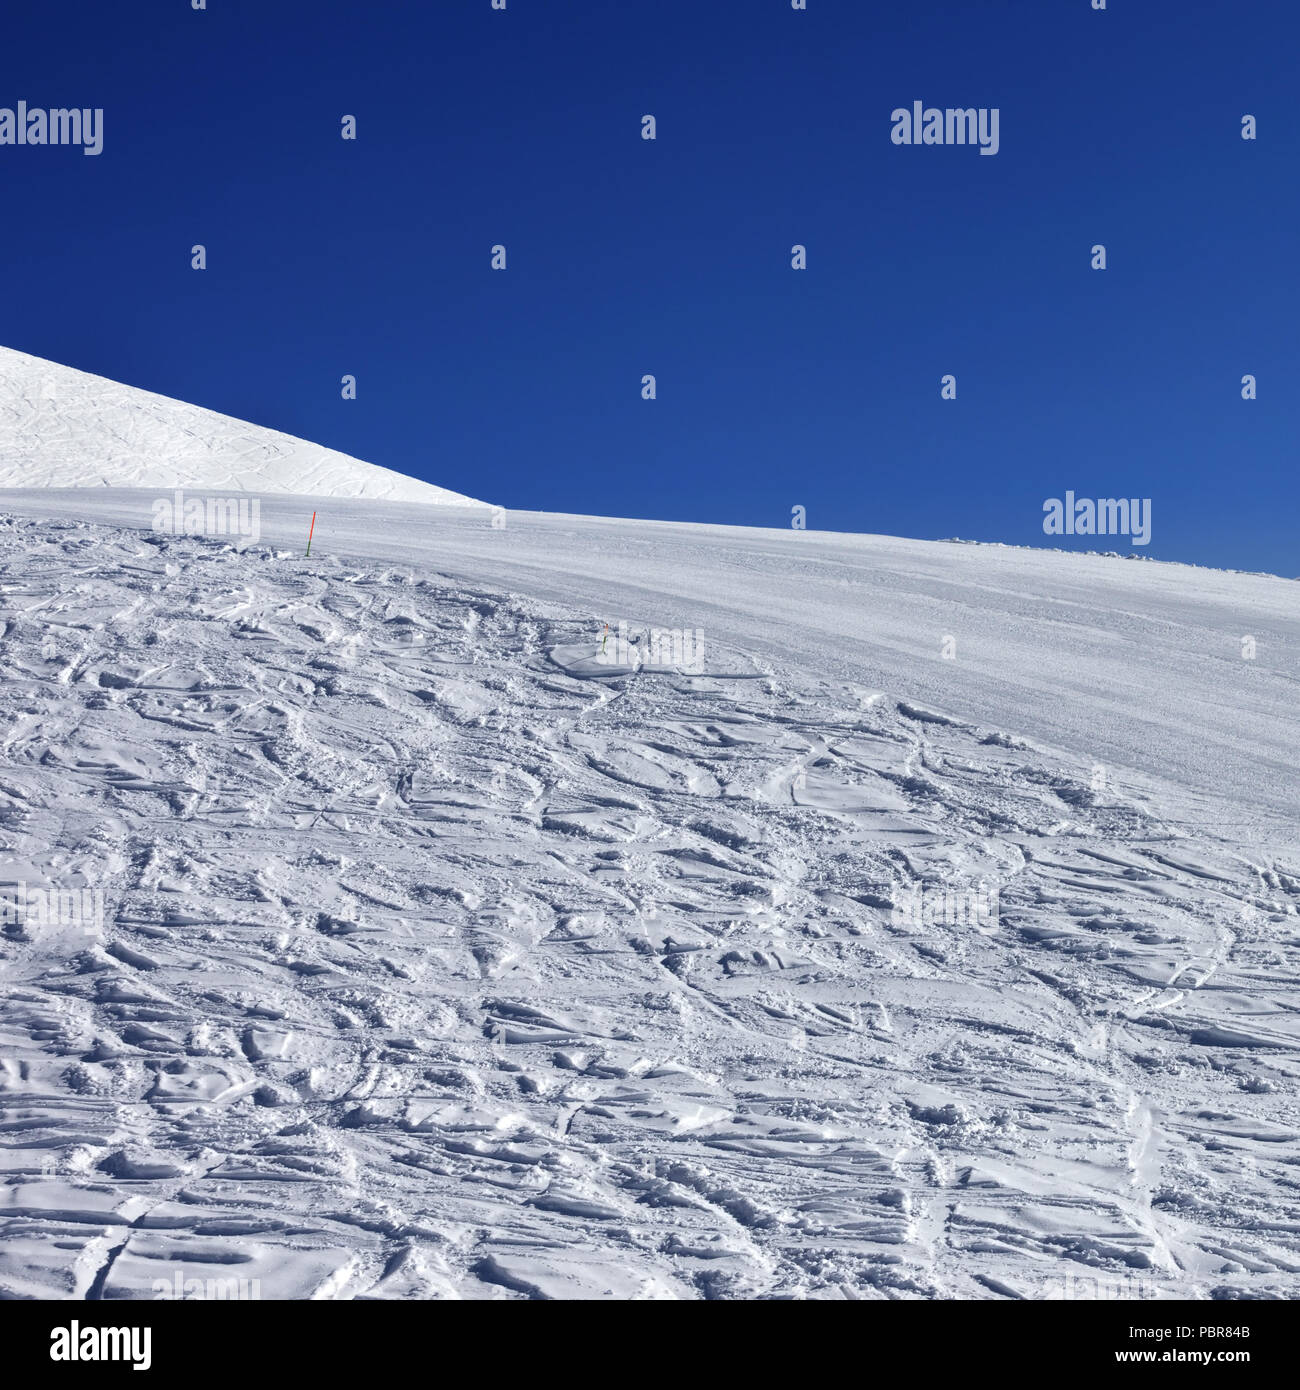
[(63, 428), (438, 960)]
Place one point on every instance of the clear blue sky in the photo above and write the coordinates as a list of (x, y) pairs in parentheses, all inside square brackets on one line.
[(819, 388)]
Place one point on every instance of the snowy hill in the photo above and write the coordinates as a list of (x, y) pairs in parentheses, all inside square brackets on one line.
[(63, 428), (565, 907), (372, 936)]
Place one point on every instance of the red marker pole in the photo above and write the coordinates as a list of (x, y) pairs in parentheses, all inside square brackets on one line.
[(311, 533)]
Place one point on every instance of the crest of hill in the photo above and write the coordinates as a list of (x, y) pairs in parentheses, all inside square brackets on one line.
[(63, 428)]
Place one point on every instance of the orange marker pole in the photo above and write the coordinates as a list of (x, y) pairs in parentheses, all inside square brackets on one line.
[(311, 533)]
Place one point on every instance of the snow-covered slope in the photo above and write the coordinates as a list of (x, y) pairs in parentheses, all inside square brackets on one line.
[(438, 958), (63, 428)]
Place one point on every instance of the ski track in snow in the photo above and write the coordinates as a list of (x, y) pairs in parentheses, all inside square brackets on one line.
[(439, 962)]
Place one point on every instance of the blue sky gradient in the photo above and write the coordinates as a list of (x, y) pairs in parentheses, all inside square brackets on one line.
[(819, 388)]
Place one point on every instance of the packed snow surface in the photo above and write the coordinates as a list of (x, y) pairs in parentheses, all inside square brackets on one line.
[(440, 958), (60, 427)]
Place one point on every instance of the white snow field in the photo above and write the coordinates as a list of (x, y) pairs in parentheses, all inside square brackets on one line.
[(439, 959), (63, 428)]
